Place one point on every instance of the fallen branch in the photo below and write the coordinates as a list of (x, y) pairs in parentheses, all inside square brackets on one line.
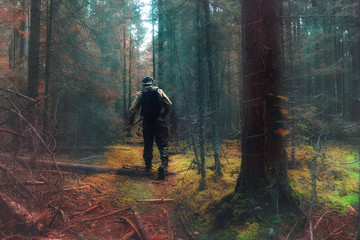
[(334, 232), (18, 212), (140, 224), (106, 215), (76, 188), (98, 169), (133, 226), (322, 216), (11, 132), (28, 183), (187, 227), (170, 234), (128, 235), (156, 200), (292, 229), (86, 211), (4, 169)]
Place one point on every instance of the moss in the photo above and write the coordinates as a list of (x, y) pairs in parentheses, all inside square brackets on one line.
[(250, 231), (216, 210)]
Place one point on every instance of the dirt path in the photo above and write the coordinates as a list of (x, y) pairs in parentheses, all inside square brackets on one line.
[(94, 212)]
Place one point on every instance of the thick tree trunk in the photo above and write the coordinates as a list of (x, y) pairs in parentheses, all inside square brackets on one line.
[(34, 45), (263, 153)]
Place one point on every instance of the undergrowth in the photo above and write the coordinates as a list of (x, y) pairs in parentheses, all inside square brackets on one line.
[(337, 188)]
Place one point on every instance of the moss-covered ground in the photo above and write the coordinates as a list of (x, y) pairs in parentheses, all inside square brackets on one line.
[(337, 190)]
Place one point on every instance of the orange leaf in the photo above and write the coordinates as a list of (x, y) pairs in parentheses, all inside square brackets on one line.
[(283, 98), (284, 111), (282, 132)]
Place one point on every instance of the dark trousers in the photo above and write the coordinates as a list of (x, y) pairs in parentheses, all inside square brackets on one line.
[(155, 129)]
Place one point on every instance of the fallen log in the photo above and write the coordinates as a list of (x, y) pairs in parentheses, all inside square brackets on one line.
[(98, 169), (140, 224), (13, 211), (156, 200)]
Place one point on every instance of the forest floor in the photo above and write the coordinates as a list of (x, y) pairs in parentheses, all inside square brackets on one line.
[(99, 206)]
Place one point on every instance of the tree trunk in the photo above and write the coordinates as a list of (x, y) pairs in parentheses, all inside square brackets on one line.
[(263, 153), (124, 76), (130, 57), (47, 63), (213, 89), (291, 81), (200, 96), (153, 39), (161, 43), (34, 45)]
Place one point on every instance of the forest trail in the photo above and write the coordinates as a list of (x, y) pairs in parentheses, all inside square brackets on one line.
[(95, 212)]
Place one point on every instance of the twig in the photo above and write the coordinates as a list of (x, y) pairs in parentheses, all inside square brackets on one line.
[(222, 149), (76, 188), (333, 232), (133, 226), (28, 183), (4, 169), (170, 235), (86, 211), (128, 235), (292, 229), (18, 112), (12, 132), (317, 223), (357, 160), (106, 215), (187, 227)]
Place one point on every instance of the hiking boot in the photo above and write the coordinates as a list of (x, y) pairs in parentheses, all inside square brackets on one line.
[(162, 170), (148, 168)]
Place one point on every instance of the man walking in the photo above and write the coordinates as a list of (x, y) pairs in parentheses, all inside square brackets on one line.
[(154, 105)]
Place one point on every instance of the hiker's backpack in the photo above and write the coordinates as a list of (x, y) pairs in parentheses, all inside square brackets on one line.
[(151, 102)]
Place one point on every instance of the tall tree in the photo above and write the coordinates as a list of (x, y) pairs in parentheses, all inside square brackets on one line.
[(161, 41), (200, 94), (49, 19), (34, 45), (213, 89), (153, 38), (124, 76), (263, 153)]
